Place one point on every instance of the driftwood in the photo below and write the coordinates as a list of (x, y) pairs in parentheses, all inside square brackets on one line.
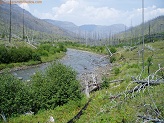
[(148, 119), (151, 82), (137, 88)]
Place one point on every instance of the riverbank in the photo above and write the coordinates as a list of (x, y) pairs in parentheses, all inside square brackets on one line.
[(31, 64)]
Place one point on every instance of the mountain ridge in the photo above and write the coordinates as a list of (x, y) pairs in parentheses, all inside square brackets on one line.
[(31, 23), (88, 28)]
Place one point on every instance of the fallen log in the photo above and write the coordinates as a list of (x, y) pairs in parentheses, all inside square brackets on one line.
[(151, 120), (139, 87), (151, 82)]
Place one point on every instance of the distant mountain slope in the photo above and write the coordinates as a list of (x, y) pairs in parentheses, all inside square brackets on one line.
[(31, 23), (89, 29), (63, 24), (153, 26), (115, 28)]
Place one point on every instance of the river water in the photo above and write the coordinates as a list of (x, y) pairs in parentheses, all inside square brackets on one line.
[(81, 61)]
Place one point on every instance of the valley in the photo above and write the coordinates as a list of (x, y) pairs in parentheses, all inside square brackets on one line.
[(58, 71)]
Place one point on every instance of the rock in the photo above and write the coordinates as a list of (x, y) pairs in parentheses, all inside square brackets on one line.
[(20, 78), (29, 113), (51, 120)]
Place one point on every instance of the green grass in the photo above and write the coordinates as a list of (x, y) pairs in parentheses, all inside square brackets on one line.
[(102, 109), (17, 43), (52, 57), (61, 114)]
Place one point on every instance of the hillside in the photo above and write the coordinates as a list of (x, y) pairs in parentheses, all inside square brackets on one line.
[(151, 27), (104, 30), (69, 26), (34, 27)]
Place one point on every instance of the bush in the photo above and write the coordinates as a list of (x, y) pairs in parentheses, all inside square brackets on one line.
[(105, 83), (13, 55), (15, 96), (116, 71), (45, 47), (44, 53), (112, 59), (4, 57), (36, 57), (62, 48), (113, 49), (56, 86)]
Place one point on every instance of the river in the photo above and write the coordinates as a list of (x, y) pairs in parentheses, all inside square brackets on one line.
[(81, 61)]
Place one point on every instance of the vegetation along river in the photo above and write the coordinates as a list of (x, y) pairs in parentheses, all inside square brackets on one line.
[(82, 62)]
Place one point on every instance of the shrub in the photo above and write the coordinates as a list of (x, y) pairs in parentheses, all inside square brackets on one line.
[(113, 49), (116, 71), (15, 97), (62, 48), (105, 83), (4, 57), (44, 53), (45, 47), (13, 55), (112, 59), (56, 86), (36, 57)]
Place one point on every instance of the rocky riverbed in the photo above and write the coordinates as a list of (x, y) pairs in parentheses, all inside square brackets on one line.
[(90, 67)]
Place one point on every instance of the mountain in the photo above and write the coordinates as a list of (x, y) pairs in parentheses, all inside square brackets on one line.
[(115, 28), (151, 27), (103, 31), (40, 29), (69, 26)]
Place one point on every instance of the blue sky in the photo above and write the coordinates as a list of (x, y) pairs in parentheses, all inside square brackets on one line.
[(100, 12)]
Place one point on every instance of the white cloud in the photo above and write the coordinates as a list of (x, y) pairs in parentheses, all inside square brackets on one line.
[(66, 8), (79, 12), (25, 6)]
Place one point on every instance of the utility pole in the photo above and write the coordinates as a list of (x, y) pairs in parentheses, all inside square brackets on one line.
[(143, 43), (10, 24)]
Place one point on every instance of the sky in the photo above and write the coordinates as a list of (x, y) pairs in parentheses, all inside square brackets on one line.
[(99, 12)]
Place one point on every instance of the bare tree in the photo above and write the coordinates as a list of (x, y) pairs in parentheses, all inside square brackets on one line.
[(143, 43), (23, 25), (10, 24)]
